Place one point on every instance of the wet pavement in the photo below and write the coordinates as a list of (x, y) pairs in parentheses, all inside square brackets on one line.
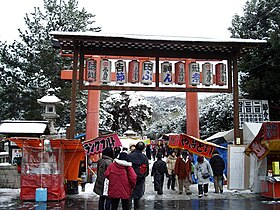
[(75, 203), (170, 200)]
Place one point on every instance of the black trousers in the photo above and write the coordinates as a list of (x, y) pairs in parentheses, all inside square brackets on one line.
[(125, 203), (136, 203), (104, 203), (202, 188), (171, 181)]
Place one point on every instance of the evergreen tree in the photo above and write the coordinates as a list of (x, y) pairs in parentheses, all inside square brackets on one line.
[(215, 114), (259, 69), (31, 66), (121, 110)]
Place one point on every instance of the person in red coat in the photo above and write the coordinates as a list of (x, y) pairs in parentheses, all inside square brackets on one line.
[(122, 180), (183, 171)]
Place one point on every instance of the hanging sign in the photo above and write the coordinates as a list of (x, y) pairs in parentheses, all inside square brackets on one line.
[(91, 66), (147, 73), (192, 144), (98, 144), (180, 73), (221, 78), (166, 73), (194, 74), (120, 72), (207, 74), (105, 71), (256, 146), (133, 71)]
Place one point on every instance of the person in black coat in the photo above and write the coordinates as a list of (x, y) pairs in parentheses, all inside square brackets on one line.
[(138, 159), (148, 152), (158, 170), (218, 166)]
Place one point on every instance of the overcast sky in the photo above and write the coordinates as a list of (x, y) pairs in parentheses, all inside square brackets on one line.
[(196, 18)]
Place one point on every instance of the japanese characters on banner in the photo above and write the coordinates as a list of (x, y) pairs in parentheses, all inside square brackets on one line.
[(120, 72), (133, 71), (206, 76), (105, 71), (97, 145), (147, 73), (271, 130), (91, 68), (191, 144), (194, 74), (221, 78), (180, 73), (166, 73), (256, 146)]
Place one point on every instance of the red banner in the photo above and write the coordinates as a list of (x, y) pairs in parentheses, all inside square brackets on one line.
[(192, 144), (98, 144), (256, 145), (271, 131)]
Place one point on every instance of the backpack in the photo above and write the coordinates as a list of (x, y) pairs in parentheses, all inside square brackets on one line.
[(140, 170)]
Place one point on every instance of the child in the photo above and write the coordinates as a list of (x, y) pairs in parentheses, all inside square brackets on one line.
[(158, 170), (122, 180)]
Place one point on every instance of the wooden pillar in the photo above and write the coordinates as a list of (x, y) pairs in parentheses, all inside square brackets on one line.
[(192, 116), (93, 103), (74, 92), (237, 137)]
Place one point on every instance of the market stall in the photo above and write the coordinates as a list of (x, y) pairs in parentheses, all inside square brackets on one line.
[(266, 147), (48, 164)]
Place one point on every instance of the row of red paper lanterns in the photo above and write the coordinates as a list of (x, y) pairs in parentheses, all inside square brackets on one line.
[(146, 77)]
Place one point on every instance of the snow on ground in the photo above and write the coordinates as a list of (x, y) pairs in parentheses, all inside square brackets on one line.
[(6, 195)]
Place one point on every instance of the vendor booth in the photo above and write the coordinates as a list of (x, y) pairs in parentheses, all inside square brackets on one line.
[(266, 147), (48, 164)]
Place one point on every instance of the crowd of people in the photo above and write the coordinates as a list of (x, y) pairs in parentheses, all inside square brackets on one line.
[(121, 174)]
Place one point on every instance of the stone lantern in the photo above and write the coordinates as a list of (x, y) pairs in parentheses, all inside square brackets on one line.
[(50, 101)]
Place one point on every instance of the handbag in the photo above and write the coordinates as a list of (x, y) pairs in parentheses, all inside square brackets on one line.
[(205, 175), (106, 186)]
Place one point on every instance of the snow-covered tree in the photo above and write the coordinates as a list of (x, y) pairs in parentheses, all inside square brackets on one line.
[(260, 68), (169, 116), (29, 66), (215, 114), (121, 110)]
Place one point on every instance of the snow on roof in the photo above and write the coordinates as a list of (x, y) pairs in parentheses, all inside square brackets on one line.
[(49, 99), (155, 37), (36, 127)]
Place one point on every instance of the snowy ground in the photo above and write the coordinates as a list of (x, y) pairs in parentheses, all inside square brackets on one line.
[(7, 195)]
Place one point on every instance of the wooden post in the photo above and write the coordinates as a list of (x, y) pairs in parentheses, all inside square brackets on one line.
[(74, 92), (237, 139)]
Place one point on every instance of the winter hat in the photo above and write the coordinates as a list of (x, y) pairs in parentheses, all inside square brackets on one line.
[(108, 151), (200, 159), (122, 156), (159, 155)]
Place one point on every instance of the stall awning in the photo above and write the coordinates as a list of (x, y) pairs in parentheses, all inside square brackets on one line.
[(63, 144), (192, 144), (267, 140)]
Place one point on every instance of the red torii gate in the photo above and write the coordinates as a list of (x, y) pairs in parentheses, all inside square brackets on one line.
[(81, 44)]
